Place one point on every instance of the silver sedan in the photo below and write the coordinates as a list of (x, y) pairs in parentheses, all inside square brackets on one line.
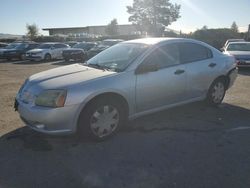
[(128, 80)]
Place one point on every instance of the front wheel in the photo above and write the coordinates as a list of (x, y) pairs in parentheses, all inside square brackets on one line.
[(101, 119), (216, 92), (47, 57), (22, 57)]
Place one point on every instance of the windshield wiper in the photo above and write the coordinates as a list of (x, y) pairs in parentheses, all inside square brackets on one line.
[(99, 67)]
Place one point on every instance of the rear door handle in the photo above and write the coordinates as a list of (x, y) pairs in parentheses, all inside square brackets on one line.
[(212, 65), (179, 71)]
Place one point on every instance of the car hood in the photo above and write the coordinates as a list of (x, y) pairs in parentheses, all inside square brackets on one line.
[(67, 76), (240, 54), (3, 50), (10, 50), (37, 50)]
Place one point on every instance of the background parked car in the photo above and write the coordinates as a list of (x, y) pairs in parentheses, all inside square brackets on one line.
[(3, 45), (71, 43), (231, 40), (47, 51), (102, 46), (241, 52), (78, 51), (17, 50)]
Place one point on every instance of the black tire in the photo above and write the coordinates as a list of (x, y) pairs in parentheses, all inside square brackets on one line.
[(8, 59), (82, 57), (66, 59), (47, 57), (22, 57), (216, 92), (88, 118)]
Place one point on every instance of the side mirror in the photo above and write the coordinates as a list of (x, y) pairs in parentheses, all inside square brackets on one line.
[(145, 68), (222, 49)]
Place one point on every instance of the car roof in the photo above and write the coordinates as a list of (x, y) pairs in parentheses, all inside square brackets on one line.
[(153, 41), (52, 43), (113, 40), (231, 40), (242, 42), (25, 42)]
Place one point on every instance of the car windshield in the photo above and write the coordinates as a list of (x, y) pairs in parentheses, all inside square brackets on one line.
[(80, 45), (238, 47), (13, 46), (45, 46), (118, 57), (22, 46)]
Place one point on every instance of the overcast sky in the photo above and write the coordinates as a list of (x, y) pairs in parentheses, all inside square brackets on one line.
[(15, 14)]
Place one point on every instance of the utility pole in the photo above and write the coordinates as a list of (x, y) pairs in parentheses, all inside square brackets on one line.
[(154, 18), (248, 36)]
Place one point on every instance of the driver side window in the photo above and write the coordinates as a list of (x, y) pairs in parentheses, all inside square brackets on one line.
[(164, 56)]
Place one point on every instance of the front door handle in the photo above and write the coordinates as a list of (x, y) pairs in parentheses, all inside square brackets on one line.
[(212, 65), (179, 71)]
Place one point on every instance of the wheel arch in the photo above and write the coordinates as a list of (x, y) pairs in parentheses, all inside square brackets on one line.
[(225, 78), (111, 95)]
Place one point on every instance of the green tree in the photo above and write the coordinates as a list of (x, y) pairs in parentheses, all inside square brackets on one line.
[(112, 28), (153, 16), (234, 27), (32, 31), (215, 37), (204, 27)]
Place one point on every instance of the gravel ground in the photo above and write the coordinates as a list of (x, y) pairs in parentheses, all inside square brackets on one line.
[(189, 146)]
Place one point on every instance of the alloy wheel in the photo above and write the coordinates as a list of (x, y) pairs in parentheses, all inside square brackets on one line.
[(104, 121), (218, 92)]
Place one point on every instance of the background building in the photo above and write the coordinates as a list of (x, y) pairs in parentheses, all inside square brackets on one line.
[(91, 30)]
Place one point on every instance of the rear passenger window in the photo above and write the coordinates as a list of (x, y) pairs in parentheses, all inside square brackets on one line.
[(191, 52), (164, 56)]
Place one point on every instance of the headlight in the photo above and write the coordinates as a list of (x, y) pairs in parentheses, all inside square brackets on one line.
[(51, 98), (38, 53)]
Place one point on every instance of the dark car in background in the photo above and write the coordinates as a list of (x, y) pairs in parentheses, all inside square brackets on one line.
[(71, 43), (3, 45), (78, 51), (17, 50), (102, 46)]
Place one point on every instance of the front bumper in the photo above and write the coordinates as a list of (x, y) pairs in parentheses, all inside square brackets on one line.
[(34, 58), (8, 56), (54, 121)]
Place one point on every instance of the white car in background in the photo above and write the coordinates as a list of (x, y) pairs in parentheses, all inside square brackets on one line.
[(47, 51)]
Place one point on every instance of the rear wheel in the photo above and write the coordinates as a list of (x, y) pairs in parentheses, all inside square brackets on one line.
[(216, 92), (47, 57), (101, 119)]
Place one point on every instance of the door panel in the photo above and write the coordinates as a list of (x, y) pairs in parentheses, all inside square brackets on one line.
[(200, 66), (200, 76), (160, 88)]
